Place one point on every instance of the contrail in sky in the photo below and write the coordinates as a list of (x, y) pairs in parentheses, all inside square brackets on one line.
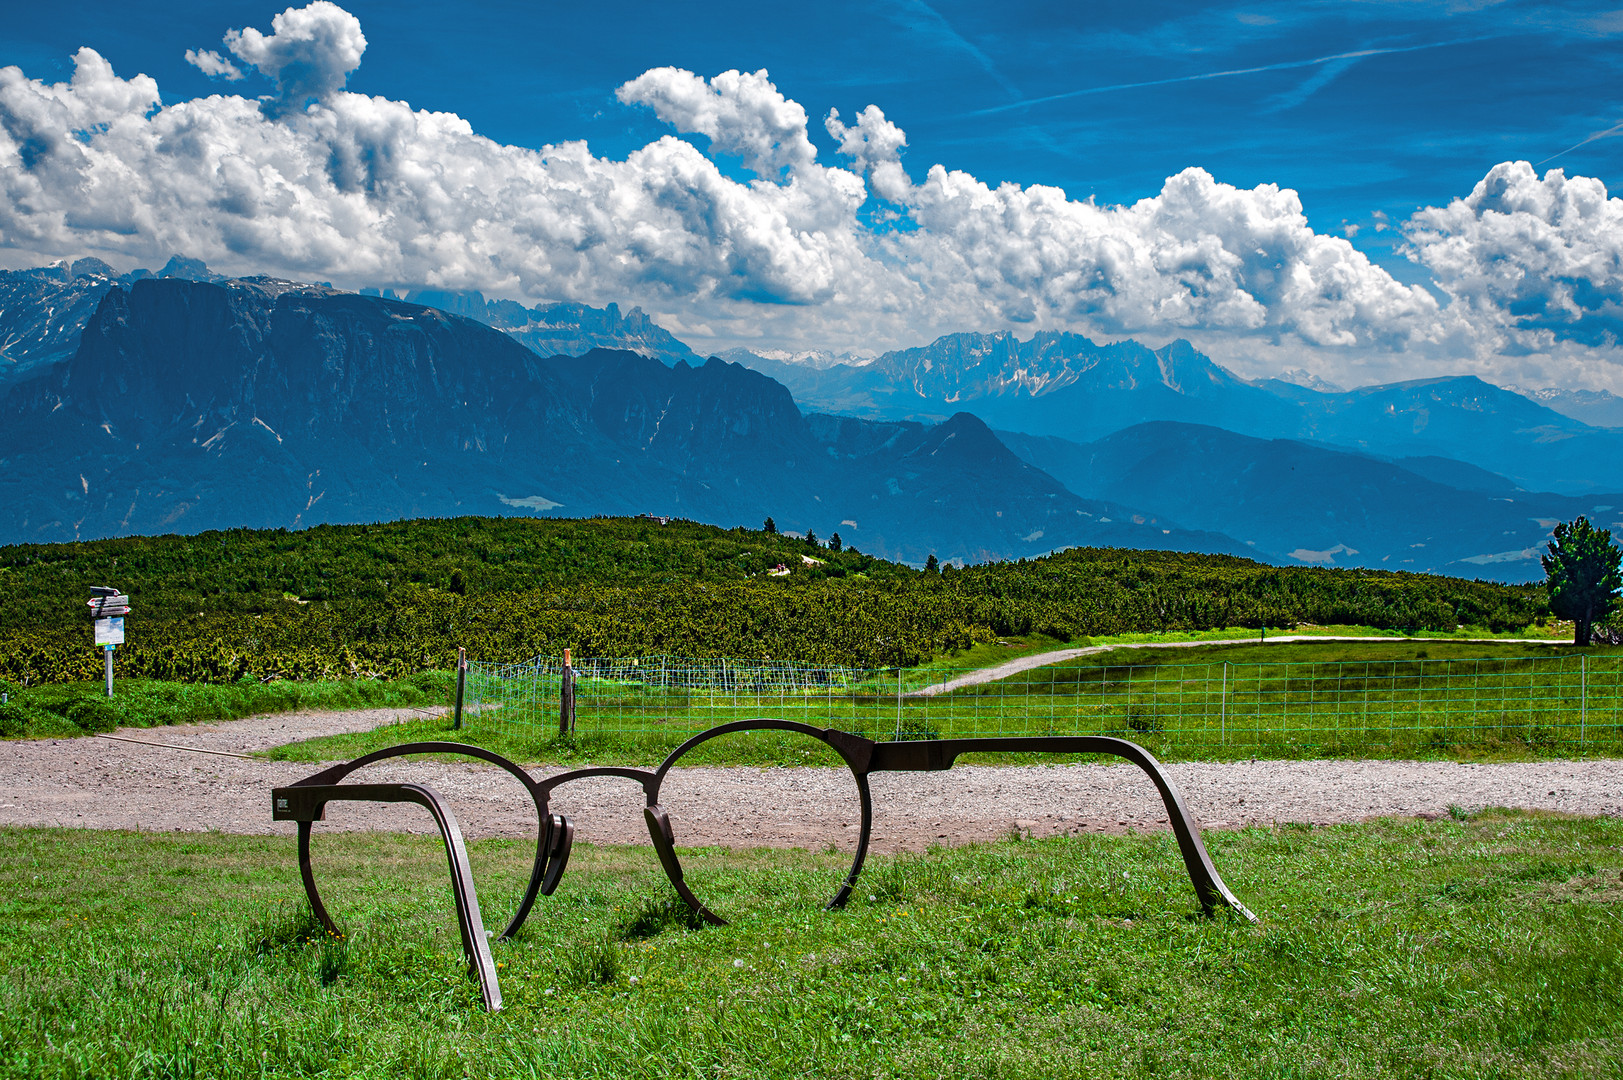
[(1613, 130), (1282, 66)]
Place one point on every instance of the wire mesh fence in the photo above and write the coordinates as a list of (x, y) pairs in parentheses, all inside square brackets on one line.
[(1419, 703)]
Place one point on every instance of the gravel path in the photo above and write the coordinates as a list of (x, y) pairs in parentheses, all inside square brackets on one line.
[(106, 784), (1059, 656)]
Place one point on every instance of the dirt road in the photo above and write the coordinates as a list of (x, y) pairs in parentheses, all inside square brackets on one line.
[(107, 784)]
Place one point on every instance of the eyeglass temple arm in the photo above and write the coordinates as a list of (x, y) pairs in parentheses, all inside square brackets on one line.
[(306, 803), (936, 755)]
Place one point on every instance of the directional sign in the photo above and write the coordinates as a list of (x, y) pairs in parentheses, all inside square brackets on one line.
[(109, 606)]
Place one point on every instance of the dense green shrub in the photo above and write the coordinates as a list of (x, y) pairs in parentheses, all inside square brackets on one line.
[(345, 602), (13, 720), (92, 715)]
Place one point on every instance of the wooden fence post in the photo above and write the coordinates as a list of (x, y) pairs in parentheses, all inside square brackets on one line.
[(566, 698), (461, 684)]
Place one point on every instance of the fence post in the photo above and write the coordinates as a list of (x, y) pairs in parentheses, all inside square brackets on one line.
[(1583, 694), (566, 698), (461, 685), (898, 700), (1223, 707)]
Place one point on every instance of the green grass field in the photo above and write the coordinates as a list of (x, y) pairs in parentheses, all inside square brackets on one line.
[(1398, 699), (64, 710), (1484, 946), (1405, 698)]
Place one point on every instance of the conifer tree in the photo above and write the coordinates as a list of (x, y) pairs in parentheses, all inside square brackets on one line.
[(1583, 575)]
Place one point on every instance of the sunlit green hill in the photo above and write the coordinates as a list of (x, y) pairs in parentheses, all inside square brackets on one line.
[(401, 597)]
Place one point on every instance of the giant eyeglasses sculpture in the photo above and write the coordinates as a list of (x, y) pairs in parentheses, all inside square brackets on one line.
[(305, 802)]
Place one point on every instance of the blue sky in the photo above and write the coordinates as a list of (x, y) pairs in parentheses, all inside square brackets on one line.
[(1369, 111), (1387, 132)]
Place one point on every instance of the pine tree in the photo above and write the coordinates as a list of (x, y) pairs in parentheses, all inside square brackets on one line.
[(1583, 575), (932, 565), (770, 526), (834, 543), (811, 538)]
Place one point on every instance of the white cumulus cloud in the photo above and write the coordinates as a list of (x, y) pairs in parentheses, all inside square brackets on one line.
[(874, 146), (309, 52), (322, 183), (1529, 261), (213, 64), (742, 114), (1199, 255)]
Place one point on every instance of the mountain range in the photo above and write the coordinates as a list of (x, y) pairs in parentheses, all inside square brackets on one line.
[(1065, 385), (1598, 408), (192, 405), (1299, 502), (181, 400)]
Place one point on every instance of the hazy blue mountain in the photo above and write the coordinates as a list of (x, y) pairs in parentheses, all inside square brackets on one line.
[(1054, 384), (192, 405), (1464, 418), (1307, 379), (1312, 504), (186, 269), (1068, 386), (564, 328), (1597, 408), (1457, 474), (916, 473), (841, 389)]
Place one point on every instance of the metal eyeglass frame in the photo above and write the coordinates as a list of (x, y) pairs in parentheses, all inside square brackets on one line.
[(305, 802)]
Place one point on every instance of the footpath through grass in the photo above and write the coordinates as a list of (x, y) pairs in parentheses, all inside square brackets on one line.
[(1429, 699), (1486, 946)]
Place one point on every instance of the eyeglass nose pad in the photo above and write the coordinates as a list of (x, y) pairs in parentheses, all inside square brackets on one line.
[(559, 839), (664, 840)]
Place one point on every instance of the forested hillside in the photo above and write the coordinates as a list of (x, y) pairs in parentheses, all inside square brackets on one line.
[(397, 598)]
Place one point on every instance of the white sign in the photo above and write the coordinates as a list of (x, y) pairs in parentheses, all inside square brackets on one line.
[(110, 631)]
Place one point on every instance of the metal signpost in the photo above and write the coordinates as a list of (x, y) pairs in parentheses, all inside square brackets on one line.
[(108, 607)]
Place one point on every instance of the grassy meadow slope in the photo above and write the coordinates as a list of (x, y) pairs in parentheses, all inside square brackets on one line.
[(1482, 945)]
